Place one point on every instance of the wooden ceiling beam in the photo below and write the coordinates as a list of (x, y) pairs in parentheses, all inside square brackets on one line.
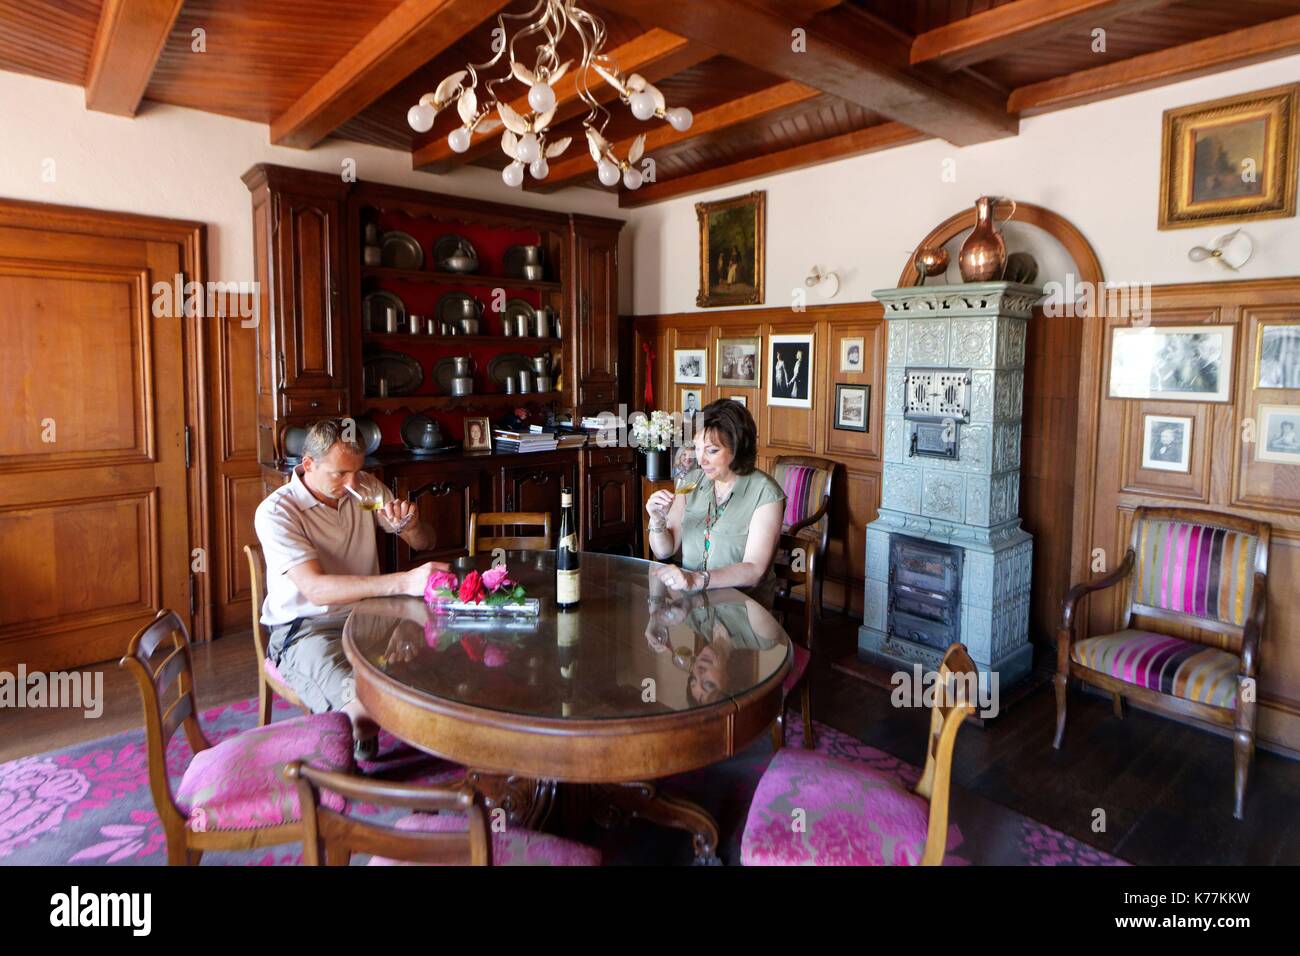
[(654, 54), (411, 35), (856, 143), (128, 41), (1013, 27), (847, 54), (577, 165), (1267, 41)]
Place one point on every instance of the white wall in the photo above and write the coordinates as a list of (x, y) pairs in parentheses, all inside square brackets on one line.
[(186, 164), (1097, 165)]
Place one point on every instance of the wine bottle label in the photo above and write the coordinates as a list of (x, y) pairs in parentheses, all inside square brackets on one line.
[(569, 541), (567, 587)]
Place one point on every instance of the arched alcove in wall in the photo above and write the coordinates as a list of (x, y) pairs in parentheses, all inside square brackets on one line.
[(1057, 422)]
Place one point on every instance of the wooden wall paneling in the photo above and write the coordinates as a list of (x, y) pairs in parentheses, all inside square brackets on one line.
[(850, 443), (1110, 493), (795, 430)]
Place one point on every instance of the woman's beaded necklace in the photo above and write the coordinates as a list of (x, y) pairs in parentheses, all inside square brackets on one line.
[(712, 517)]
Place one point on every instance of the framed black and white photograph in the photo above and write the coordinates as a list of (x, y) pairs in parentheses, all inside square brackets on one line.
[(739, 400), (1277, 360), (739, 362), (1279, 434), (851, 355), (1183, 363), (852, 407), (1167, 443), (691, 366), (789, 371), (692, 401)]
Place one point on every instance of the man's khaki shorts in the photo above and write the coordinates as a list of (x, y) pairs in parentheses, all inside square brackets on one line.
[(314, 665)]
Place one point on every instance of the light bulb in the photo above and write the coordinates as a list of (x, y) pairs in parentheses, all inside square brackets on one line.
[(528, 149), (643, 105), (458, 139), (632, 178), (539, 168), (607, 172), (680, 118), (513, 175), (421, 117), (541, 97)]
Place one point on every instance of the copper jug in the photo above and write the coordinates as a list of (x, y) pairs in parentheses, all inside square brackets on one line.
[(983, 256)]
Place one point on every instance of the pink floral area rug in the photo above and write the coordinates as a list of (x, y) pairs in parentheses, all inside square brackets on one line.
[(90, 804)]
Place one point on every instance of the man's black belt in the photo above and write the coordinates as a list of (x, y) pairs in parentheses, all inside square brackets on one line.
[(290, 639)]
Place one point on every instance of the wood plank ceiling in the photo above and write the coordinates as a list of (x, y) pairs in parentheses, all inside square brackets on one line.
[(876, 73)]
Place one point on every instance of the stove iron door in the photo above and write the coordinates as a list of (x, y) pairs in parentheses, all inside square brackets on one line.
[(924, 591)]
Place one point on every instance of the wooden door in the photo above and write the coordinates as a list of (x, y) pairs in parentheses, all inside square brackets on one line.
[(94, 492), (309, 303), (596, 293), (445, 496), (536, 487)]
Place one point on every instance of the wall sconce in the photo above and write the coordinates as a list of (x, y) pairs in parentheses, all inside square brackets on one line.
[(1231, 250), (827, 283)]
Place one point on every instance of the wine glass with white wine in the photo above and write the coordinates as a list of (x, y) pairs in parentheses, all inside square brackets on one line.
[(371, 494)]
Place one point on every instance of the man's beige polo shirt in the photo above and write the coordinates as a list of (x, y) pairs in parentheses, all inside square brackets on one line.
[(294, 528)]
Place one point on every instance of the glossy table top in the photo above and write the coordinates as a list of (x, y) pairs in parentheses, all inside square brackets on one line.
[(633, 648)]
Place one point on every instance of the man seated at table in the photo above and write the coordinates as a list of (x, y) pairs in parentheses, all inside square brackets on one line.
[(320, 559)]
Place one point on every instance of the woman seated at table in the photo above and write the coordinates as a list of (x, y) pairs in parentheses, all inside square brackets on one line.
[(727, 527)]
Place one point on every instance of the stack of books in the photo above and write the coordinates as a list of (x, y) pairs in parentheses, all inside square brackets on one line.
[(508, 441)]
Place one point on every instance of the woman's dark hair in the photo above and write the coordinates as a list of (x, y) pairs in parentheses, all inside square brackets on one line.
[(734, 427)]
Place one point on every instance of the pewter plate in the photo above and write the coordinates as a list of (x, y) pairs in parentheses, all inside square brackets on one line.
[(401, 251), (507, 366), (521, 307), (403, 373), (372, 310)]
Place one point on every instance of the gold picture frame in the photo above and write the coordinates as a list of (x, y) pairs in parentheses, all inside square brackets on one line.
[(733, 244), (1230, 160)]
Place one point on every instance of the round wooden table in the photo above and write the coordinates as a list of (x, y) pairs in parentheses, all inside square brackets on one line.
[(638, 684)]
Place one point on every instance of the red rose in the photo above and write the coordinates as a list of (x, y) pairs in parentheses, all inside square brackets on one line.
[(471, 588)]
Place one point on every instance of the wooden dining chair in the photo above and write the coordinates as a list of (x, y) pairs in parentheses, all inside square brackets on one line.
[(501, 520), (456, 833), (269, 681), (876, 820), (807, 482), (797, 564), (232, 795)]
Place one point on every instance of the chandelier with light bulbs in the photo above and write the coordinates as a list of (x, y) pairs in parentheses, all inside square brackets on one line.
[(524, 138)]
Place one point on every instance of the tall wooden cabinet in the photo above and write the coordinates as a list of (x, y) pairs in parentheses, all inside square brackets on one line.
[(312, 346)]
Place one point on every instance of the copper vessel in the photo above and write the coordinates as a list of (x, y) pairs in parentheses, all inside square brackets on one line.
[(983, 256), (930, 262)]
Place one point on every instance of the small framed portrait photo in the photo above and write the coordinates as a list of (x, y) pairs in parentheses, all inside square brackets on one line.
[(851, 355), (478, 434), (739, 361), (692, 401), (1277, 358), (690, 366), (852, 407), (1167, 442), (740, 400), (1278, 434)]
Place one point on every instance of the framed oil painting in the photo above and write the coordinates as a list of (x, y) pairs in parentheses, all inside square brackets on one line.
[(739, 362), (733, 239), (1230, 160), (1167, 442), (1278, 439), (1180, 363)]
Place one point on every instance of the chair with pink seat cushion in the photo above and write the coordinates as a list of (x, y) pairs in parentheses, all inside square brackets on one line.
[(1191, 621), (455, 833), (231, 796), (269, 682), (797, 565), (849, 814)]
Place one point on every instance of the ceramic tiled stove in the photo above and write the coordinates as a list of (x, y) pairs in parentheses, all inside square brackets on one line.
[(947, 559)]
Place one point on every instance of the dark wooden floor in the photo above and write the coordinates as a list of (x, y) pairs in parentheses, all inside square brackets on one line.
[(1166, 789)]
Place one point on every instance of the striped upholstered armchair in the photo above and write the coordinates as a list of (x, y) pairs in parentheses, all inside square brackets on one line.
[(807, 483), (1191, 625)]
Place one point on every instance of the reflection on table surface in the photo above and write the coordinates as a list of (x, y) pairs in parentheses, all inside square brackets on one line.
[(633, 648)]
